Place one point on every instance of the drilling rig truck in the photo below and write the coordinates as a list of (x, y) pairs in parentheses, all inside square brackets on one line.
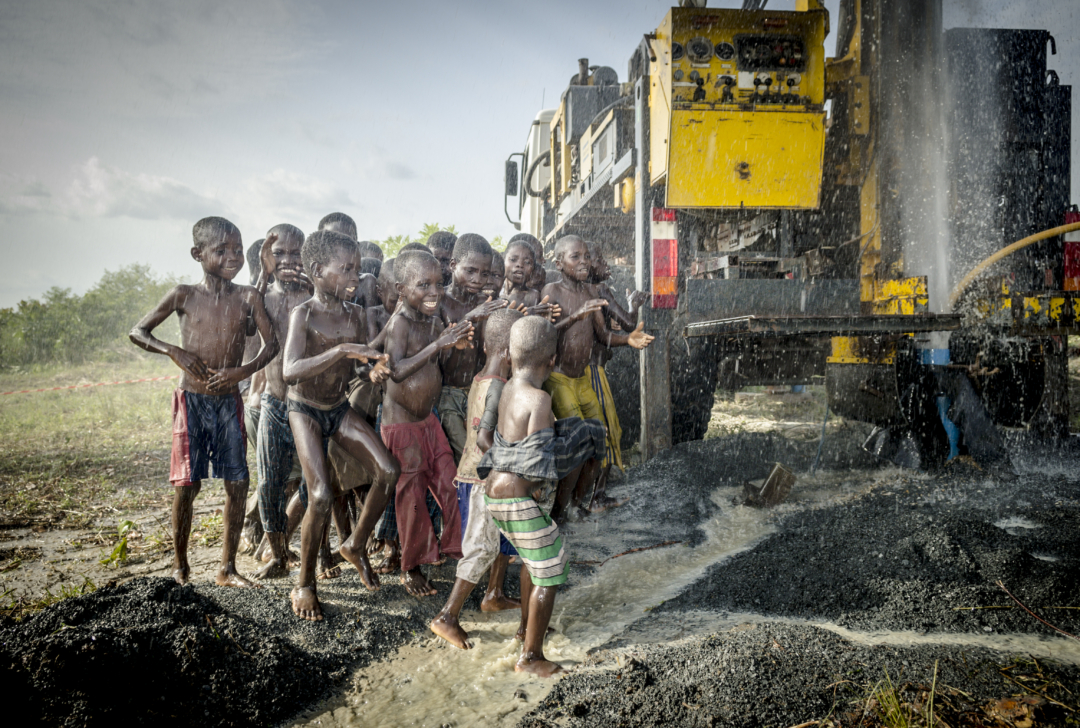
[(796, 217)]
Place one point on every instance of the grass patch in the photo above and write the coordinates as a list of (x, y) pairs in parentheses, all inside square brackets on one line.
[(20, 608), (70, 456)]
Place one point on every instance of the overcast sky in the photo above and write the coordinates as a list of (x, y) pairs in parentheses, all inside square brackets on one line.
[(123, 122)]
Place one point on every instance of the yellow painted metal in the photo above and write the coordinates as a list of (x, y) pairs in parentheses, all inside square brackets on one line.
[(697, 146), (745, 159), (660, 100), (624, 195), (901, 297), (852, 350)]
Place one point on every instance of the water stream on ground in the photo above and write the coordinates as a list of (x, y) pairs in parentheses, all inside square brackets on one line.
[(429, 683)]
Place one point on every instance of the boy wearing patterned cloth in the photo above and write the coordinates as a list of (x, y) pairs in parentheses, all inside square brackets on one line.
[(531, 452)]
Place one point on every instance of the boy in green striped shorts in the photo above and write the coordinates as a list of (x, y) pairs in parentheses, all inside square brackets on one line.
[(531, 453)]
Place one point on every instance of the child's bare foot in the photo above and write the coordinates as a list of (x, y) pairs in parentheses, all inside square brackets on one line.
[(537, 666), (496, 601), (417, 584), (375, 545), (581, 513), (605, 502), (305, 604), (293, 557), (363, 567), (263, 552), (229, 576), (273, 570), (445, 625), (181, 574), (391, 562), (248, 544), (336, 557)]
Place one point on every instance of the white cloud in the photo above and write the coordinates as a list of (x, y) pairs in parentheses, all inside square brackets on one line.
[(285, 196), (102, 191)]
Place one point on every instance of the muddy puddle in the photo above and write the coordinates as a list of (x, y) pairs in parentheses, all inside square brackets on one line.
[(428, 683)]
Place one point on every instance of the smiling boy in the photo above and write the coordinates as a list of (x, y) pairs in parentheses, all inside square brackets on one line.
[(208, 412), (326, 334), (570, 385), (415, 337)]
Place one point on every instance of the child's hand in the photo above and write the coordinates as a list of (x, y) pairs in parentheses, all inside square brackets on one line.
[(360, 352), (638, 338), (458, 336), (303, 280), (486, 308), (550, 311), (192, 364), (588, 308), (636, 299), (222, 380), (266, 257), (380, 372)]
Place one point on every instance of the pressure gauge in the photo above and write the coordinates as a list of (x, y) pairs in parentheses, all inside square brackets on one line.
[(699, 50), (725, 51), (677, 51)]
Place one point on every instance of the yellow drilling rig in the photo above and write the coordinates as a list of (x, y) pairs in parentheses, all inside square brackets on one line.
[(796, 216)]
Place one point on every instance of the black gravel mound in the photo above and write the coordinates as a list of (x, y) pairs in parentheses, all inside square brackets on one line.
[(153, 652), (907, 555), (779, 675)]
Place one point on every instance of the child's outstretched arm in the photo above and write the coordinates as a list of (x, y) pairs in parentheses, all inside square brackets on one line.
[(296, 368), (142, 337), (397, 341), (626, 319), (224, 379)]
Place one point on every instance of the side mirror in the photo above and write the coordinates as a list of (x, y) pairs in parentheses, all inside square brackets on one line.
[(511, 178)]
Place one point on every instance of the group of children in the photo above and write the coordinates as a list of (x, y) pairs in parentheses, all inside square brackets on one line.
[(446, 403)]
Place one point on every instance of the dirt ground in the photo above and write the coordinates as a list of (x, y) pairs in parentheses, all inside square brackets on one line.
[(758, 639)]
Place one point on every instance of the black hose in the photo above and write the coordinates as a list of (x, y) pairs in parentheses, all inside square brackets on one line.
[(529, 174)]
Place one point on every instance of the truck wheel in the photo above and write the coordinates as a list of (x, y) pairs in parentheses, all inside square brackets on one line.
[(693, 385)]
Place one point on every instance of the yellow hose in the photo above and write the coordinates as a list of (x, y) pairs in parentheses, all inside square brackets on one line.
[(1004, 253)]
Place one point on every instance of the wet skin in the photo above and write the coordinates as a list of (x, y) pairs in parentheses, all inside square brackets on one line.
[(326, 335), (579, 331), (619, 318), (415, 338), (464, 302), (443, 255), (281, 263), (520, 267), (496, 277), (344, 227), (525, 409), (214, 316), (445, 624)]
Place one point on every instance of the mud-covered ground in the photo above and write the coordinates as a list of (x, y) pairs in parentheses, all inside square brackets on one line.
[(908, 563)]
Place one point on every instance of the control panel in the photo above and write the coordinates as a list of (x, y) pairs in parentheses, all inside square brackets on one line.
[(734, 57)]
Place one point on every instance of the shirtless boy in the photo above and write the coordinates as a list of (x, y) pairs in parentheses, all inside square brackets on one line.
[(326, 335), (208, 413), (441, 245), (520, 266), (482, 546), (415, 337), (496, 277), (339, 222), (619, 319), (569, 385), (279, 467), (531, 451), (469, 268), (539, 275)]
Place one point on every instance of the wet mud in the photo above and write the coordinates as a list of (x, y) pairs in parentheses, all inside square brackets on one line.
[(745, 617)]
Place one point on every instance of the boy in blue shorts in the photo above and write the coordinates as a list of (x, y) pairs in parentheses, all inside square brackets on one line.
[(208, 412)]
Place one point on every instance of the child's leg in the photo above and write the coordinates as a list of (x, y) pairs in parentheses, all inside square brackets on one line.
[(358, 439), (235, 500), (495, 600), (309, 446), (183, 508), (526, 593), (541, 604), (445, 624)]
